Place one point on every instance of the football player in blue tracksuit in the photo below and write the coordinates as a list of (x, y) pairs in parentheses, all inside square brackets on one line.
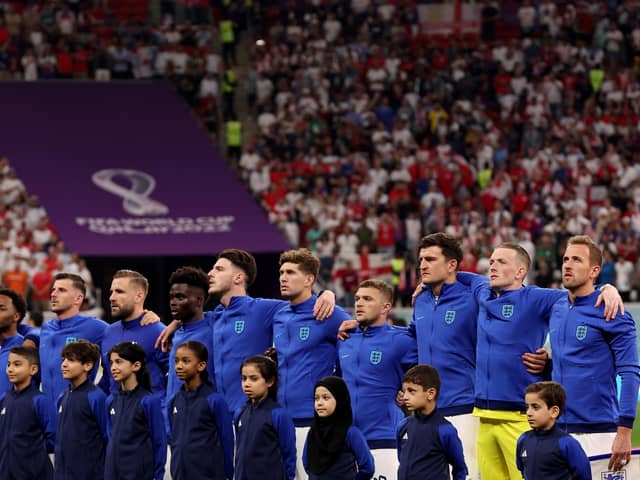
[(242, 325), (547, 451), (428, 444), (306, 347), (187, 294), (372, 362), (445, 324), (127, 295), (137, 448), (67, 294), (588, 355), (201, 431), (12, 310), (265, 435), (27, 426), (82, 417), (513, 323)]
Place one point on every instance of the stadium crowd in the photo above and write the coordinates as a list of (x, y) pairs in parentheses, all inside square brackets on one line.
[(371, 133)]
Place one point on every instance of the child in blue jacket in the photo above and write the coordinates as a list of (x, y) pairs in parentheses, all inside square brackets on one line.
[(428, 444), (265, 435), (82, 416), (201, 430), (137, 448), (26, 425), (547, 451), (334, 447)]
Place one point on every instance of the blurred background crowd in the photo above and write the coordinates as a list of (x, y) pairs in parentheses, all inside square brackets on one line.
[(359, 131)]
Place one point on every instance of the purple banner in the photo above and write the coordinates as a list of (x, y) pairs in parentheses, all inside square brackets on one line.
[(123, 169)]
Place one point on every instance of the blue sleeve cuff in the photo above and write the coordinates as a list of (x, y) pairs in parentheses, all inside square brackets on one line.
[(626, 422)]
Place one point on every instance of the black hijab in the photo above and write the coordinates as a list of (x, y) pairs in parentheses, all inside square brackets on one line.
[(327, 435)]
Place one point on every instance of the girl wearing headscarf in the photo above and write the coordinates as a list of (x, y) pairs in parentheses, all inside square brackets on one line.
[(335, 449)]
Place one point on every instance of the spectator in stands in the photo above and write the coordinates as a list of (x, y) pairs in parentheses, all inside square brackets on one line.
[(623, 277), (16, 279), (41, 284)]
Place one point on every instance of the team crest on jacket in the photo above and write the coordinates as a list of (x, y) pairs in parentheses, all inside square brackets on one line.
[(303, 333), (449, 316), (581, 332), (507, 310), (69, 340), (375, 357), (609, 475), (238, 327)]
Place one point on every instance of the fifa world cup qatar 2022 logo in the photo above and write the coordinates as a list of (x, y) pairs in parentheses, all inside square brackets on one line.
[(135, 197), (142, 214)]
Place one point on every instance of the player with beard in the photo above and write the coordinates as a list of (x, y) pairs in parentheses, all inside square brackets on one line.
[(588, 355), (306, 347), (67, 293), (127, 295), (373, 360)]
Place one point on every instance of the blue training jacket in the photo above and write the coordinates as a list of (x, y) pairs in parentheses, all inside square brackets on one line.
[(306, 353), (372, 364), (446, 332), (509, 325), (55, 334), (551, 455), (145, 336), (200, 435), (242, 329), (82, 427), (354, 463), (588, 353), (27, 435), (29, 333), (5, 349), (427, 445), (265, 442), (137, 448)]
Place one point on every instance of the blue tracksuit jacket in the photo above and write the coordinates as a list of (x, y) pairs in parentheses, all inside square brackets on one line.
[(588, 353), (427, 445), (55, 334), (372, 364), (137, 448), (446, 331), (509, 325), (82, 427), (27, 435), (551, 455), (199, 331), (200, 435), (242, 329), (5, 349), (354, 463), (30, 333), (306, 353), (132, 331), (265, 442)]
